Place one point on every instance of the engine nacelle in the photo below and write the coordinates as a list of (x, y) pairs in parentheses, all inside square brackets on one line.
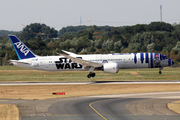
[(111, 68)]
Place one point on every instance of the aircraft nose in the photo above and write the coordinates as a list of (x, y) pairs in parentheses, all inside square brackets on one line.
[(170, 62)]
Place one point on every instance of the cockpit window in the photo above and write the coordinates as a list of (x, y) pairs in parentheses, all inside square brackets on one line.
[(163, 57)]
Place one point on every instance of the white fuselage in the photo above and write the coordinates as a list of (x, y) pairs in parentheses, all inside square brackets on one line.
[(124, 61)]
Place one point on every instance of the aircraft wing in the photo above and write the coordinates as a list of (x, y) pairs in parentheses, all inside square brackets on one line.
[(69, 53), (85, 63), (19, 61)]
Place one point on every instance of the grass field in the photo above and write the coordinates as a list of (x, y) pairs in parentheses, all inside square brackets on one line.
[(17, 74), (175, 106), (9, 112), (38, 92)]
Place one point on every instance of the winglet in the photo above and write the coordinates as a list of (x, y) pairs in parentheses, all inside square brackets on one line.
[(22, 51)]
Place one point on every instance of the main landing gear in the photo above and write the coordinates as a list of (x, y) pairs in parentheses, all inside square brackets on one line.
[(160, 70), (91, 74)]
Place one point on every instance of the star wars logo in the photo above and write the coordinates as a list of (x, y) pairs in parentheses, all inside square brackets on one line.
[(65, 63)]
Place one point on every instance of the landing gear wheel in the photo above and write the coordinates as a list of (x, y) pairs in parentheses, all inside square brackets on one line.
[(93, 74), (89, 76), (160, 70)]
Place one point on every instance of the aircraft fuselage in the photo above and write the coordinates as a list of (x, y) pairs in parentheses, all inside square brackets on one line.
[(124, 61)]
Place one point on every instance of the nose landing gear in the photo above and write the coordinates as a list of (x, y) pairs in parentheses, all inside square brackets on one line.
[(160, 70)]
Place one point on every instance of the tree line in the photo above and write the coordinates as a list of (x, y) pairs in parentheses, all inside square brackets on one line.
[(43, 40)]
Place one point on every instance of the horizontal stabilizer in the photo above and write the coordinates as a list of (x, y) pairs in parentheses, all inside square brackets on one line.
[(19, 61)]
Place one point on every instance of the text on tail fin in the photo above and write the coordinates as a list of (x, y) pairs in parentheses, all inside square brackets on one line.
[(22, 51)]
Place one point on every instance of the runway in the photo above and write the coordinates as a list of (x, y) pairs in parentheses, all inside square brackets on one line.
[(138, 106), (85, 83)]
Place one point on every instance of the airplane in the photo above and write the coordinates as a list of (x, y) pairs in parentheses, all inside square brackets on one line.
[(108, 63)]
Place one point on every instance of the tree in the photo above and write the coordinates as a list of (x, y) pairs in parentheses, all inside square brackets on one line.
[(109, 44), (139, 28), (144, 48), (159, 26), (91, 49), (98, 44), (134, 47), (150, 47), (89, 36), (73, 30), (176, 34), (140, 40), (30, 31), (176, 49), (117, 46)]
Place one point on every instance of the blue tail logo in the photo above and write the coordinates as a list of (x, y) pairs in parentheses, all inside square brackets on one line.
[(21, 47), (22, 51)]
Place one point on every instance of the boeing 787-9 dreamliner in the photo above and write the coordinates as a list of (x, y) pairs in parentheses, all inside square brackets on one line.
[(108, 63)]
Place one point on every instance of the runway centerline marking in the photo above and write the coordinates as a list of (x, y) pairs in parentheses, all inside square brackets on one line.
[(90, 105)]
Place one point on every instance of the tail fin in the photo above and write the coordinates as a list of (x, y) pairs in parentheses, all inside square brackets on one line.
[(22, 51)]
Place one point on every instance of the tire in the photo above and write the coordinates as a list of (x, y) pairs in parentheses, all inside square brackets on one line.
[(88, 76), (93, 74)]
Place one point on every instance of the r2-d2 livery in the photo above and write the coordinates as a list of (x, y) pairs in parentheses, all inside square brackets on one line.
[(108, 63), (151, 60)]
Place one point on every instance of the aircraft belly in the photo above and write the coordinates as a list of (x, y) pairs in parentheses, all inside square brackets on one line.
[(27, 66)]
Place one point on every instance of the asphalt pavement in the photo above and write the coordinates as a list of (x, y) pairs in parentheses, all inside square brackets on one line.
[(138, 106)]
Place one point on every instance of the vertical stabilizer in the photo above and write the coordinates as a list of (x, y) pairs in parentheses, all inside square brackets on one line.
[(22, 51)]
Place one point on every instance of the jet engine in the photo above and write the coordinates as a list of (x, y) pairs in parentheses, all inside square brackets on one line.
[(110, 68)]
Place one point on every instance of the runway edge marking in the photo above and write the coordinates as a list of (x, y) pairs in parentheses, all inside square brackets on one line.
[(90, 105)]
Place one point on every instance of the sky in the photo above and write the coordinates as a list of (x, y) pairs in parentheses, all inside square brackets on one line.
[(62, 13)]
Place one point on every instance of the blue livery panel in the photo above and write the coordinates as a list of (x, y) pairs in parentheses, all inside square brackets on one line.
[(135, 58), (142, 57), (147, 58), (151, 56), (156, 55)]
